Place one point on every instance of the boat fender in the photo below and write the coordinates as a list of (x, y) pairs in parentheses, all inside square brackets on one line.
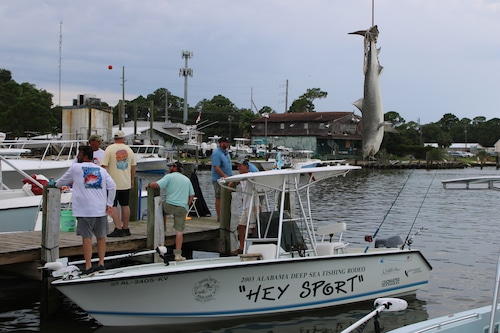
[(391, 304), (67, 272), (390, 242), (53, 266)]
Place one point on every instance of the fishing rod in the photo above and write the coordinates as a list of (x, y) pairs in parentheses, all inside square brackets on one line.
[(409, 240), (161, 250), (371, 238), (63, 262)]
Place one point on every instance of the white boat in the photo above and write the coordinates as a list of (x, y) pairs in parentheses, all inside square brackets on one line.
[(285, 267), (303, 159), (191, 137), (54, 158), (207, 148), (276, 159), (18, 210), (242, 147), (150, 158), (470, 321), (477, 320)]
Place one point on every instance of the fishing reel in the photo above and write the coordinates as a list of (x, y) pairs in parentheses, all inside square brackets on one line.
[(162, 253)]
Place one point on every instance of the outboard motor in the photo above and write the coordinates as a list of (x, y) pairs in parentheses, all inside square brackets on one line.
[(391, 242)]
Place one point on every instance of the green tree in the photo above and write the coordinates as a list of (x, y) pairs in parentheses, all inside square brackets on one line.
[(266, 109), (24, 108), (447, 122), (305, 102), (395, 118), (245, 122), (222, 113)]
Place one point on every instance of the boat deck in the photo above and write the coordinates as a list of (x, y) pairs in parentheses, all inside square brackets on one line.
[(23, 247)]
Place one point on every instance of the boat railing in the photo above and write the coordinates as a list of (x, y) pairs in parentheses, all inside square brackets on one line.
[(443, 324), (21, 172), (68, 148)]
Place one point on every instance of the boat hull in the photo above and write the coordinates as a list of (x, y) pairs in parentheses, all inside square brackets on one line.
[(49, 169), (227, 288), (155, 165)]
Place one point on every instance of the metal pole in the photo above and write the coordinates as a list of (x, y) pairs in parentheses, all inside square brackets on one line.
[(186, 72), (166, 105), (122, 106)]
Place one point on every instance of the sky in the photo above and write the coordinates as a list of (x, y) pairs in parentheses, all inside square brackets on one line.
[(439, 56)]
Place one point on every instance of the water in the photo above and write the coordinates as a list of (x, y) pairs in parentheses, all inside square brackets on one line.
[(459, 239)]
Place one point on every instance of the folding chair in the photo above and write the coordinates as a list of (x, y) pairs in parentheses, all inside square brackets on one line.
[(193, 207)]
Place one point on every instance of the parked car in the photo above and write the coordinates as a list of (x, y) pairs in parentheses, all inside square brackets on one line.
[(457, 153)]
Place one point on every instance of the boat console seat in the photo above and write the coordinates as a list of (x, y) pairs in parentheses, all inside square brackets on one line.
[(268, 251), (325, 248)]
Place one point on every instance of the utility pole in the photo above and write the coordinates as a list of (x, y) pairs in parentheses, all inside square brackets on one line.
[(286, 97), (166, 105), (60, 60), (151, 120), (186, 72), (121, 112)]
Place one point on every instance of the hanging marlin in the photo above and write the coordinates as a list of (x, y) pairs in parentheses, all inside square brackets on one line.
[(371, 104)]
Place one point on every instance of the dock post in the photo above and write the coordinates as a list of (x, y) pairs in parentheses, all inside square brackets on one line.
[(155, 227), (51, 220), (51, 216), (134, 200), (225, 219)]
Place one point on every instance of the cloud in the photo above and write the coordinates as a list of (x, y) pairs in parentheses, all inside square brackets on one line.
[(438, 56)]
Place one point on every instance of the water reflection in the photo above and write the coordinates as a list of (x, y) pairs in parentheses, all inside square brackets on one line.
[(329, 320)]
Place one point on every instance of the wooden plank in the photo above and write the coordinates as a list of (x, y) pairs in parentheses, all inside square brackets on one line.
[(23, 247)]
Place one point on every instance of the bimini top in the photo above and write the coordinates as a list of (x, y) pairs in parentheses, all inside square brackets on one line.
[(289, 180)]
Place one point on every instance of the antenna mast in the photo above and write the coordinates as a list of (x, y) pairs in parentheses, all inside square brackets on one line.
[(186, 72), (60, 59)]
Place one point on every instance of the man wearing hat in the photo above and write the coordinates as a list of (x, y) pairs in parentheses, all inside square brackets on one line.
[(95, 143), (180, 195), (119, 161), (221, 168), (249, 213)]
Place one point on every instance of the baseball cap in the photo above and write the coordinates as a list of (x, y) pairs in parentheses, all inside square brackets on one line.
[(119, 134), (224, 139), (95, 137), (176, 164), (242, 159)]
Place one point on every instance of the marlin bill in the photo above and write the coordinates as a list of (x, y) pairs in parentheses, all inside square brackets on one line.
[(371, 104)]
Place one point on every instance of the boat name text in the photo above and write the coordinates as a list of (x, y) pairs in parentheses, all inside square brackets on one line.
[(302, 275), (308, 289)]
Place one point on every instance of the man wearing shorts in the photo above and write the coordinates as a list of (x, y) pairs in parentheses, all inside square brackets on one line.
[(249, 213), (180, 195), (92, 200), (221, 168), (119, 161)]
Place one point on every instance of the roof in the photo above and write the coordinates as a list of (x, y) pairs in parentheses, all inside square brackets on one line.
[(304, 117)]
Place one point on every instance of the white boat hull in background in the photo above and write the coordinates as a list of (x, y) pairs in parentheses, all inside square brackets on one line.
[(50, 169), (470, 321), (18, 210)]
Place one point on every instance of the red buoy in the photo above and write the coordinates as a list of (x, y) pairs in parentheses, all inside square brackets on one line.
[(110, 67)]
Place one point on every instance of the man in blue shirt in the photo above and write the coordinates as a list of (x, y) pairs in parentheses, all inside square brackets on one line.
[(221, 168)]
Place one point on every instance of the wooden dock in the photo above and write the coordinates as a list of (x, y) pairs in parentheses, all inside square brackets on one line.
[(21, 250)]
